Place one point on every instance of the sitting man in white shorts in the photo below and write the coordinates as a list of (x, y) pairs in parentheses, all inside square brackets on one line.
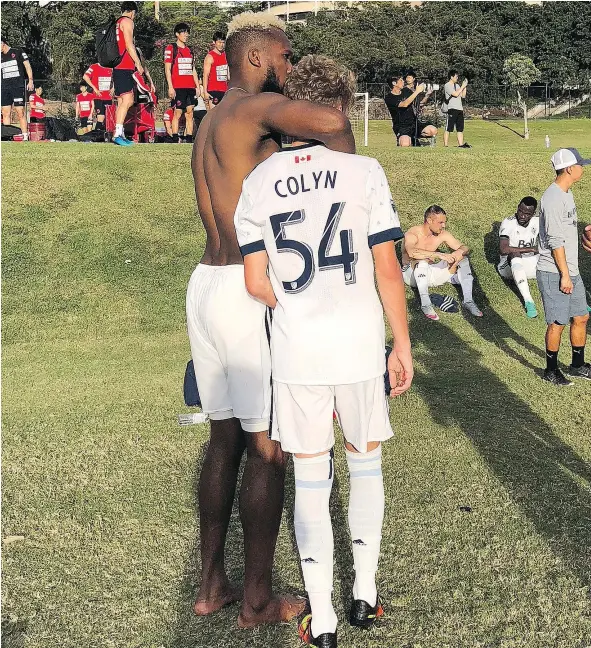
[(518, 247), (311, 223), (424, 267)]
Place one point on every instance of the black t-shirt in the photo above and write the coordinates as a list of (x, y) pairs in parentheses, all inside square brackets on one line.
[(401, 116), (13, 70)]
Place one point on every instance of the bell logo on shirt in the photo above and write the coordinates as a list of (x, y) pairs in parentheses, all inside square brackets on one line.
[(302, 158)]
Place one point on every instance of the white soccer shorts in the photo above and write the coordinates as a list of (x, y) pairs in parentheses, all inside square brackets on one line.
[(438, 274), (529, 264), (303, 415), (229, 346)]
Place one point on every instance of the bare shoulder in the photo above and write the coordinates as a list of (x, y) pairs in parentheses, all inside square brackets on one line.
[(413, 232)]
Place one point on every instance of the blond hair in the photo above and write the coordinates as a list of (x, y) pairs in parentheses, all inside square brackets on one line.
[(255, 22), (322, 80)]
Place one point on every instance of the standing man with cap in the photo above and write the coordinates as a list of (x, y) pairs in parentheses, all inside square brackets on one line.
[(561, 286)]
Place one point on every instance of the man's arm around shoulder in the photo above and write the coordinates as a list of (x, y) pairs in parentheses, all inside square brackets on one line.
[(274, 113)]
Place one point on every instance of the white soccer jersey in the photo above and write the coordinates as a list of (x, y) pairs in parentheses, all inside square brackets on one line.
[(520, 237), (317, 213)]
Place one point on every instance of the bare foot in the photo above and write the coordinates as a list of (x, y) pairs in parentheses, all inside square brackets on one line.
[(279, 610), (230, 594)]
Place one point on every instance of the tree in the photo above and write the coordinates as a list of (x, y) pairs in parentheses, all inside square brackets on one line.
[(520, 72)]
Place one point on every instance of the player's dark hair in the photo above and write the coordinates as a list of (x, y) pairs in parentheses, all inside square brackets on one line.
[(83, 84), (452, 73), (182, 27), (218, 35), (3, 39), (410, 72), (129, 6), (434, 210), (395, 77), (529, 201)]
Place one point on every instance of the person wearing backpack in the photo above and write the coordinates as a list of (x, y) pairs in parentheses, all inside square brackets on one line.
[(123, 73), (454, 93), (183, 82), (15, 64)]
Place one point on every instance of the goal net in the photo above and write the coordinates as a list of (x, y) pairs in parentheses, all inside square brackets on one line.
[(359, 117)]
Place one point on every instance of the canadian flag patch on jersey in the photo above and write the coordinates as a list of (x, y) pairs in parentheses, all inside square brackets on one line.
[(302, 158)]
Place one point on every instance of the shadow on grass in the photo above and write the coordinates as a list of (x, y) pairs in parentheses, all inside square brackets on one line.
[(498, 123), (220, 629), (536, 468)]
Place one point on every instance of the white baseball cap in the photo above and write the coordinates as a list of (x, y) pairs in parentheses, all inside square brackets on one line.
[(567, 157)]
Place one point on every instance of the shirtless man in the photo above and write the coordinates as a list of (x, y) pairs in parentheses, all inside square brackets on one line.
[(424, 266), (226, 326)]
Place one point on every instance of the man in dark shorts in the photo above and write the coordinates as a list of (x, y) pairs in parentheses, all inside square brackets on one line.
[(393, 98), (400, 103), (227, 327), (123, 75), (453, 95), (559, 281), (100, 79), (15, 65), (215, 71), (183, 82)]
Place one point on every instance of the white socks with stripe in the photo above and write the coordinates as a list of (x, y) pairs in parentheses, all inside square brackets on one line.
[(313, 529), (366, 515), (520, 278), (118, 130), (421, 274), (464, 278)]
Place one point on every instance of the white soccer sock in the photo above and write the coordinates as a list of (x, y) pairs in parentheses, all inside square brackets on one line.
[(118, 130), (421, 273), (313, 529), (465, 278), (520, 278), (366, 515)]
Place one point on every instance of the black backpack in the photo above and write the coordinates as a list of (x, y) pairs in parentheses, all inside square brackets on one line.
[(107, 49)]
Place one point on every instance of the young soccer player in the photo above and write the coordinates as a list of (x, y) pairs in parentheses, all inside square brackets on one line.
[(84, 105), (313, 226)]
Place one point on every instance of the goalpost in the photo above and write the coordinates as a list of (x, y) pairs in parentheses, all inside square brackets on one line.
[(360, 116)]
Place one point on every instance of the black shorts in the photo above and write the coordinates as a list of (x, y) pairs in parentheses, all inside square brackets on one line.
[(123, 82), (455, 119), (408, 130), (101, 106), (37, 120), (13, 95), (83, 122), (185, 97), (216, 96), (421, 125)]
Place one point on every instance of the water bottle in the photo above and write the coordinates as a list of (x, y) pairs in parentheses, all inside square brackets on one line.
[(547, 140)]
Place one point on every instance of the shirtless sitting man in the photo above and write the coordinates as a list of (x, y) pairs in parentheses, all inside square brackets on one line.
[(226, 325), (424, 266)]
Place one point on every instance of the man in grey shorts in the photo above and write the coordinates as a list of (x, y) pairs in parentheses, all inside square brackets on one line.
[(560, 283)]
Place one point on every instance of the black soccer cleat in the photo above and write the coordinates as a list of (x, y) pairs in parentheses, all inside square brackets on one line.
[(325, 640), (556, 377), (363, 615), (584, 371)]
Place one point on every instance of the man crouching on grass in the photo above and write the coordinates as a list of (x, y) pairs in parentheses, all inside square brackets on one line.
[(323, 223)]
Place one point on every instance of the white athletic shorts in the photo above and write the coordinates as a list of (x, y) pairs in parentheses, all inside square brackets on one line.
[(529, 264), (229, 346), (303, 415), (438, 274)]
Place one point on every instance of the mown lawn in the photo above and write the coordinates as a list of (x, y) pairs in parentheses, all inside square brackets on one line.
[(487, 541)]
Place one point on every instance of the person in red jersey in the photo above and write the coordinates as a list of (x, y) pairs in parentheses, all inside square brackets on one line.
[(124, 80), (215, 71), (167, 118), (100, 79), (183, 82), (84, 105), (37, 104)]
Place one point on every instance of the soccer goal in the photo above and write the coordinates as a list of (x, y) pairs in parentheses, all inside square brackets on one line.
[(359, 117)]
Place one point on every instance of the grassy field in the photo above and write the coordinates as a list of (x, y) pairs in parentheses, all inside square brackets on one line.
[(487, 541)]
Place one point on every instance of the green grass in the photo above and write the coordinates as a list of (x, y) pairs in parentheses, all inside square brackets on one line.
[(99, 480)]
